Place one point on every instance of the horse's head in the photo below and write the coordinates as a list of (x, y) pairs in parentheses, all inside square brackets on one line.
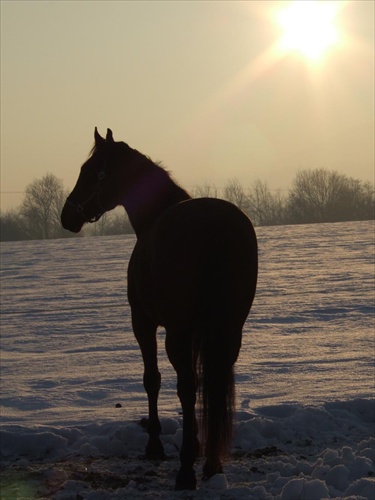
[(98, 186)]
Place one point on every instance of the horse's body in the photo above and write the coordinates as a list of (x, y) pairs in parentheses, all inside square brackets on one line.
[(193, 271)]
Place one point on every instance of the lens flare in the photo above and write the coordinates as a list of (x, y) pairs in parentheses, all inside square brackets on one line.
[(308, 27)]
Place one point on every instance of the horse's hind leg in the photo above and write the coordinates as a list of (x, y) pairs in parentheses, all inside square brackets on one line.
[(145, 333), (181, 357)]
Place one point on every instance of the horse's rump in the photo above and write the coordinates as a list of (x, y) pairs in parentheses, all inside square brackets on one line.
[(203, 263)]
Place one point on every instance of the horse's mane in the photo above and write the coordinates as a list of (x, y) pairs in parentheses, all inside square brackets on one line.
[(145, 160)]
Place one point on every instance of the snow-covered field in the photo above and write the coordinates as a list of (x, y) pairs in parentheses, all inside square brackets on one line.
[(71, 380)]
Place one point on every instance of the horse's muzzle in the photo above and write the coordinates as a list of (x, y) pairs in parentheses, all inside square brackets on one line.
[(71, 219)]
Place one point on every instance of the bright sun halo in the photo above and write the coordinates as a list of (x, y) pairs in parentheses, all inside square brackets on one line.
[(308, 27)]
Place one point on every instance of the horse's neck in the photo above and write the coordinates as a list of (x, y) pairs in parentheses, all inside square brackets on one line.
[(150, 195)]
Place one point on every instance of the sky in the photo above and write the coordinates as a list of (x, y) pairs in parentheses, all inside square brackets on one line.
[(214, 90)]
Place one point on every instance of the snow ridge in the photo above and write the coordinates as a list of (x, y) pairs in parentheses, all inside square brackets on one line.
[(279, 452)]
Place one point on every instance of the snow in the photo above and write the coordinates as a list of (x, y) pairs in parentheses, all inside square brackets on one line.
[(73, 405)]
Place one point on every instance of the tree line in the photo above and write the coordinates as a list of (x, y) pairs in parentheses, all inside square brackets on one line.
[(315, 196)]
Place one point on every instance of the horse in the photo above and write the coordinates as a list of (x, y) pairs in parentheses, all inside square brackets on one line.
[(193, 271)]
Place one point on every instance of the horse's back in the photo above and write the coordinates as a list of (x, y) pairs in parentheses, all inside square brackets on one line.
[(201, 262)]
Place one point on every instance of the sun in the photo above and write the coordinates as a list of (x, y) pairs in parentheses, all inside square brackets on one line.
[(308, 27)]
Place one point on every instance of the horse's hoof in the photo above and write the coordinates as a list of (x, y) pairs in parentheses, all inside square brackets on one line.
[(155, 451), (208, 471), (186, 480)]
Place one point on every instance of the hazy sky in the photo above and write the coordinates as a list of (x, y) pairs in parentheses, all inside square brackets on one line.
[(205, 87)]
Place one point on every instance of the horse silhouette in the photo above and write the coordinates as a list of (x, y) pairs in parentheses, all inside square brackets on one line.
[(193, 271)]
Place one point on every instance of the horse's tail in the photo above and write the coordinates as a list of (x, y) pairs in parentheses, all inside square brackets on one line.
[(215, 359)]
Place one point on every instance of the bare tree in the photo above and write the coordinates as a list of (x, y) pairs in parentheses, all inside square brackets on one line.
[(357, 201), (322, 195), (12, 226), (205, 190), (42, 205), (265, 208), (234, 192), (312, 193)]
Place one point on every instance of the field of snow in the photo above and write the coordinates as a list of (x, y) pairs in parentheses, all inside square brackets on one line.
[(73, 405)]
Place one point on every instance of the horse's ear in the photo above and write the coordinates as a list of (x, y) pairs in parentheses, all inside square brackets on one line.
[(98, 138), (109, 137)]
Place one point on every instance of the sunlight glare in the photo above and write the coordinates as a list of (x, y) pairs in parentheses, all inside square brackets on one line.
[(308, 27)]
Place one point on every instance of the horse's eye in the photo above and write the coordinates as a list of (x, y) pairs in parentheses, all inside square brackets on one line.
[(101, 175)]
